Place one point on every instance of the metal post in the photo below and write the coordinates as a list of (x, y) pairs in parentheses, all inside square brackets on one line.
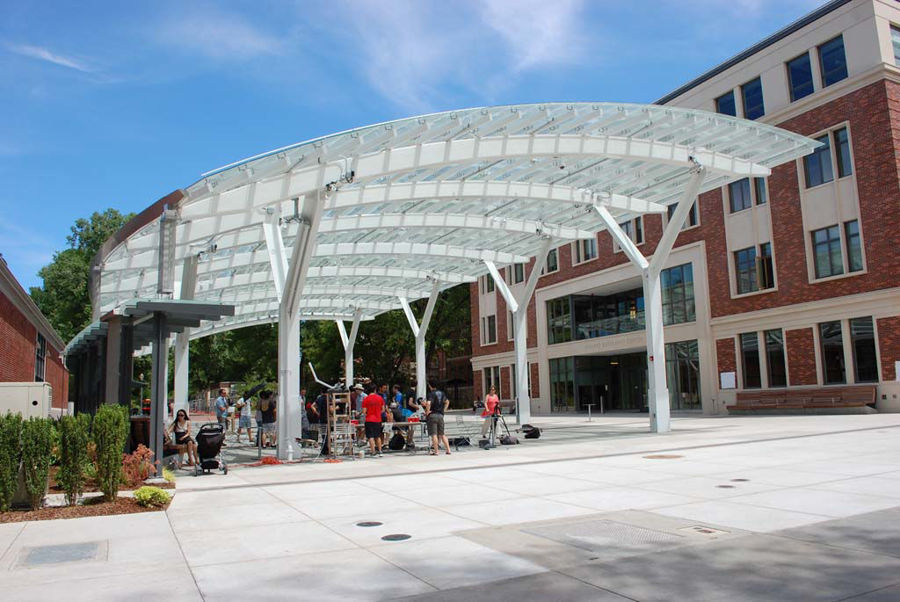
[(160, 355), (419, 330), (658, 392), (182, 355)]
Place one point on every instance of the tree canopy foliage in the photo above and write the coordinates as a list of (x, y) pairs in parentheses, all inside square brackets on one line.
[(64, 296)]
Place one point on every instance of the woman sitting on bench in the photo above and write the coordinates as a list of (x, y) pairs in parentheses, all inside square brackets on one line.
[(180, 429)]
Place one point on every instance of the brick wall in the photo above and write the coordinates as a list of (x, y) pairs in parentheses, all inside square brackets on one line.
[(873, 114), (801, 357), (889, 346), (535, 381), (505, 391), (478, 384), (17, 353), (725, 355)]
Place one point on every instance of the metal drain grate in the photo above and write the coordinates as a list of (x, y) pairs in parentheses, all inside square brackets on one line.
[(61, 553), (369, 523), (601, 535), (396, 537), (702, 530)]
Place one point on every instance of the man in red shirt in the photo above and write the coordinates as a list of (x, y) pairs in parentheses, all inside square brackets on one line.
[(373, 406)]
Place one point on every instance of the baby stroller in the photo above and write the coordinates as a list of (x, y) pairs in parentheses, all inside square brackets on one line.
[(209, 445)]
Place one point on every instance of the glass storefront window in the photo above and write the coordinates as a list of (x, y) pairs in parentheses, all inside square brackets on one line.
[(559, 320), (750, 360), (683, 375), (776, 369), (678, 294), (865, 361), (562, 383), (832, 340)]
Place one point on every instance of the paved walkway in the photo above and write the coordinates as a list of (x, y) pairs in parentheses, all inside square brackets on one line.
[(751, 508)]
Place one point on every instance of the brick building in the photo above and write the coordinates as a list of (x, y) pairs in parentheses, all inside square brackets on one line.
[(787, 282), (30, 350)]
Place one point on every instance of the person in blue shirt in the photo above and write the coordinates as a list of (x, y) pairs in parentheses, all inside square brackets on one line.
[(222, 407)]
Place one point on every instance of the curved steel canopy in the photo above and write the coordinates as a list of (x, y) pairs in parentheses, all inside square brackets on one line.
[(425, 199)]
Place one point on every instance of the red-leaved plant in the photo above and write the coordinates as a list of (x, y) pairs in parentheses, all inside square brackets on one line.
[(138, 466)]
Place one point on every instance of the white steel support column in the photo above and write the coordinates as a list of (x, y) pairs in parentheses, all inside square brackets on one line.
[(419, 330), (657, 388), (182, 339), (289, 320), (519, 308), (349, 342)]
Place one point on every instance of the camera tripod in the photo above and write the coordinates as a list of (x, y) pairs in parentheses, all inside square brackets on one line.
[(495, 418)]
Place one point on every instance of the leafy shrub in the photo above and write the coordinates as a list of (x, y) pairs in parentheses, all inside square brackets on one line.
[(10, 456), (110, 430), (151, 496), (55, 448), (73, 455), (37, 441), (138, 466), (168, 475)]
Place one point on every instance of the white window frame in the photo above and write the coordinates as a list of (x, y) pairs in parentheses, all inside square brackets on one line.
[(576, 251), (485, 320), (630, 228), (544, 270), (695, 211)]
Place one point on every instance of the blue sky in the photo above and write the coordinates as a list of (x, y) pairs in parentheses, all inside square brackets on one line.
[(116, 104)]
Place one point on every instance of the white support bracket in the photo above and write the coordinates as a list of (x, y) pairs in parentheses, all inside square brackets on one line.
[(657, 389), (182, 339), (419, 330), (289, 315), (275, 248), (349, 342), (507, 294)]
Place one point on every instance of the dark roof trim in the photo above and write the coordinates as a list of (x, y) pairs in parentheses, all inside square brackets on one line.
[(772, 39)]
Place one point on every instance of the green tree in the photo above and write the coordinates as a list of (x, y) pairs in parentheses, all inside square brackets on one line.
[(64, 296)]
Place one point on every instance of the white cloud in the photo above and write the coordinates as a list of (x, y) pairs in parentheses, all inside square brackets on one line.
[(43, 54), (537, 33), (217, 35)]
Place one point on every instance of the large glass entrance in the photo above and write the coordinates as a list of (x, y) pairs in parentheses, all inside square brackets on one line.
[(619, 382)]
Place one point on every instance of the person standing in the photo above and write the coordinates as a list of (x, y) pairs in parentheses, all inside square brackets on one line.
[(245, 407), (491, 401), (372, 407), (435, 407), (268, 407), (222, 408)]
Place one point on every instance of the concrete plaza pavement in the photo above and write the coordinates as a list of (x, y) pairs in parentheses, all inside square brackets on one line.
[(730, 508)]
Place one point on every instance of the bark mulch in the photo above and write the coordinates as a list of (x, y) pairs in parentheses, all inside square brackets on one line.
[(91, 507)]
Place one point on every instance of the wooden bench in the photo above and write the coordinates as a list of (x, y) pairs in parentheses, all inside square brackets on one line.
[(856, 396)]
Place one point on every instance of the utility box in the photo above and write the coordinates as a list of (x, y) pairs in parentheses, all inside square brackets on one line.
[(28, 399)]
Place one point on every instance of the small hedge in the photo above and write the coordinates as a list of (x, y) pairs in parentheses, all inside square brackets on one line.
[(37, 445), (110, 433), (74, 434), (10, 457), (151, 496)]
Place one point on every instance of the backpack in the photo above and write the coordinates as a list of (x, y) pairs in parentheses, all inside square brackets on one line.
[(397, 442), (531, 432)]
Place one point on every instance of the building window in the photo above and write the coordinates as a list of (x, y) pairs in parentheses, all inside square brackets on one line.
[(865, 361), (750, 360), (683, 375), (895, 40), (40, 358), (488, 330), (854, 248), (491, 379), (765, 269), (516, 273), (817, 165), (691, 219), (739, 195), (552, 263), (752, 96), (677, 285), (510, 326), (842, 150), (833, 61), (559, 320), (775, 365), (585, 250), (745, 270), (562, 383), (633, 229), (759, 187), (800, 77), (827, 252), (725, 104), (832, 353), (487, 284)]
